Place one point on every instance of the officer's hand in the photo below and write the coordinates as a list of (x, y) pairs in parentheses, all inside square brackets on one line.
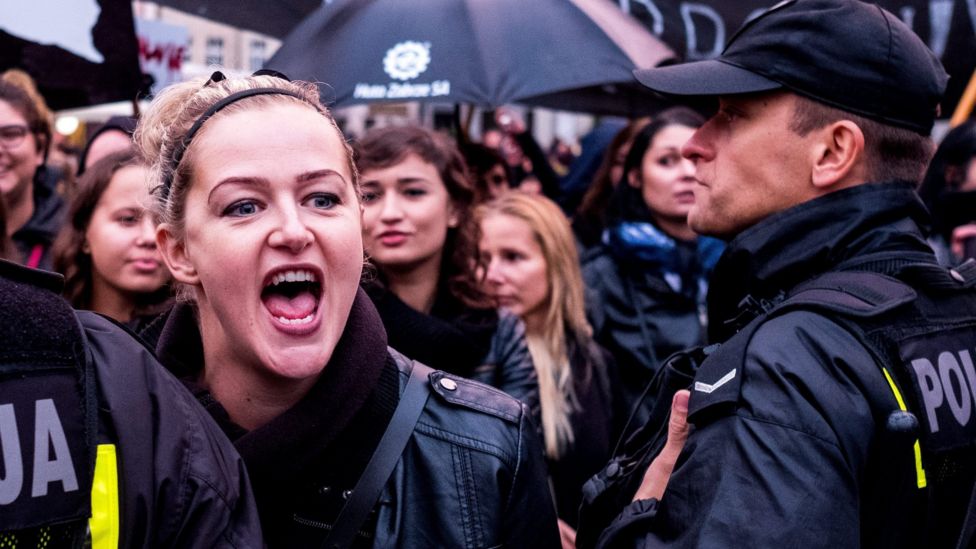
[(657, 475), (960, 236), (567, 536)]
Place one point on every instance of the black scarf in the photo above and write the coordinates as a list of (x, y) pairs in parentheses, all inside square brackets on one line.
[(453, 337), (324, 439)]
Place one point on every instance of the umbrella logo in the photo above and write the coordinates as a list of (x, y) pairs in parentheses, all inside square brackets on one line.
[(407, 60)]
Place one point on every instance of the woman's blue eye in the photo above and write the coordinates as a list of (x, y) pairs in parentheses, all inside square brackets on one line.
[(415, 192), (322, 201), (243, 208)]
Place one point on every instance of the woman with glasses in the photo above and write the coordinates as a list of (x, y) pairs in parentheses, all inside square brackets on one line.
[(33, 208), (261, 224)]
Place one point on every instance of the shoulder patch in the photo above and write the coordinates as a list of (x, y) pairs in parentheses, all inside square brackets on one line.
[(475, 396), (717, 382)]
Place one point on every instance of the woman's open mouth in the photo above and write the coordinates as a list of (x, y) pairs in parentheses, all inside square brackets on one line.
[(292, 297)]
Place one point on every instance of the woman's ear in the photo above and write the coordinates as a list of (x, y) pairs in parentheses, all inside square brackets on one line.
[(453, 220), (633, 180), (175, 256)]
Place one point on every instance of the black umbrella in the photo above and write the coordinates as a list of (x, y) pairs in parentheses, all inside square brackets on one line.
[(569, 54), (273, 17)]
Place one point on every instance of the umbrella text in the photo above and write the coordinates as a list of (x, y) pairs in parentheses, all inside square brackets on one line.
[(395, 90)]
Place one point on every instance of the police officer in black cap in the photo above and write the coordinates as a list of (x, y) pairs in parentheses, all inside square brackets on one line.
[(101, 447), (839, 409)]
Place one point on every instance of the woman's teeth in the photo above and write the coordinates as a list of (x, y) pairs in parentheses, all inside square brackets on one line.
[(293, 276), (293, 321)]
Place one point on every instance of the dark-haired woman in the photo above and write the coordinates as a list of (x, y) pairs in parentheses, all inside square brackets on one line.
[(261, 223), (107, 248), (649, 275), (419, 233)]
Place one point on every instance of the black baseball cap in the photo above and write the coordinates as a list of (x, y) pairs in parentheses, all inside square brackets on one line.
[(844, 53)]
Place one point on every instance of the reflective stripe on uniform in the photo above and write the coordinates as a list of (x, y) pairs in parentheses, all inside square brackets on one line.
[(919, 471), (104, 522)]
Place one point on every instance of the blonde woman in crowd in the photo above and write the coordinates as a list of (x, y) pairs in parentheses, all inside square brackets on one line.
[(531, 268)]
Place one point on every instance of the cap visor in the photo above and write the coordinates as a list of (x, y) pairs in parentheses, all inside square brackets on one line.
[(710, 77)]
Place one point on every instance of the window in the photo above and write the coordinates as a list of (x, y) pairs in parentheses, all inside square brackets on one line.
[(258, 54), (215, 51)]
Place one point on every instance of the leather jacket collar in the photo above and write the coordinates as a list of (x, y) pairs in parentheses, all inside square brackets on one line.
[(764, 261)]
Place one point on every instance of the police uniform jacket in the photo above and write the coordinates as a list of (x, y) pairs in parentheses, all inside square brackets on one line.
[(471, 476), (795, 440), (163, 473)]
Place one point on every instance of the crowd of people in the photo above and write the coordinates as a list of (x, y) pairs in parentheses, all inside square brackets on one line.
[(743, 330)]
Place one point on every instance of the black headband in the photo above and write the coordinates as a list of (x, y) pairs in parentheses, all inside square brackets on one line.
[(184, 143)]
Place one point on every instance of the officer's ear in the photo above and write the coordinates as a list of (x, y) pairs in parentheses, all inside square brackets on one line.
[(838, 156), (175, 256)]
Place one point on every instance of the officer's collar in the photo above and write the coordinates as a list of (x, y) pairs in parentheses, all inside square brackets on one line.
[(36, 277), (796, 244)]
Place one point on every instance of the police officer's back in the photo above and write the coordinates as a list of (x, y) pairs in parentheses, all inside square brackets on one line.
[(839, 409), (99, 443)]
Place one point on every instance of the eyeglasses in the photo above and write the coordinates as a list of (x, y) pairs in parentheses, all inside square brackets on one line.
[(13, 135)]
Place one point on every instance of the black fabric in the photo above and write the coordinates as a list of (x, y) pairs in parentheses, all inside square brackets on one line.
[(595, 423), (453, 338), (328, 436), (639, 318), (847, 54), (799, 400), (883, 218), (46, 390), (124, 124), (385, 457), (181, 484), (43, 226)]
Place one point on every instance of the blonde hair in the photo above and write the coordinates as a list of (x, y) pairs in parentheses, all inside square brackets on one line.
[(175, 109), (565, 315)]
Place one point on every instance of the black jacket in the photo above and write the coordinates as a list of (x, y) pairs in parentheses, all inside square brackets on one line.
[(178, 481), (639, 319), (481, 344), (595, 422), (793, 443), (472, 475), (43, 226)]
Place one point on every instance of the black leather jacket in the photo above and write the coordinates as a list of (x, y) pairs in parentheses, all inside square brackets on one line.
[(793, 443), (472, 476)]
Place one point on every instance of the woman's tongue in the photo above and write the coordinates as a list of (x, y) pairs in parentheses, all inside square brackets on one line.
[(298, 306)]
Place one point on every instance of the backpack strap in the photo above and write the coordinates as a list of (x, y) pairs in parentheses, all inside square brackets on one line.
[(857, 294), (384, 459)]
